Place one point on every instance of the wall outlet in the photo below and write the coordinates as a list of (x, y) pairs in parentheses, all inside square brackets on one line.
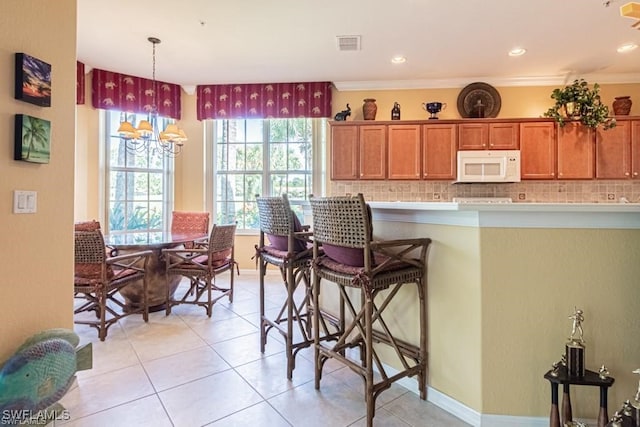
[(522, 196), (436, 196), (611, 196)]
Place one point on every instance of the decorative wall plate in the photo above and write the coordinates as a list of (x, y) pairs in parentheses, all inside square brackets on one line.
[(484, 93)]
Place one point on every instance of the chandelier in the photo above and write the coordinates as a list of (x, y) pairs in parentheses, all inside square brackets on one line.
[(631, 10), (147, 136)]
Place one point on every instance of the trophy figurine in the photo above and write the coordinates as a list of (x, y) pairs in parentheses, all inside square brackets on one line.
[(575, 346), (636, 398), (434, 108)]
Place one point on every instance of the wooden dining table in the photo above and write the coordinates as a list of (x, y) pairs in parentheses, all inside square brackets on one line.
[(157, 280)]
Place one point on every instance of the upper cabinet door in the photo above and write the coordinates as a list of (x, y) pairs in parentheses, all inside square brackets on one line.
[(504, 136), (635, 149), (404, 151), (575, 152), (613, 151), (344, 152), (537, 150), (473, 136), (373, 152), (439, 151)]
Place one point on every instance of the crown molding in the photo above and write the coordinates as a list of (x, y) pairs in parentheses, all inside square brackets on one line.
[(494, 81)]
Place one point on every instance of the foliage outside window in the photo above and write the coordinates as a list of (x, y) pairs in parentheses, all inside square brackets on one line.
[(137, 183), (266, 157), (576, 102)]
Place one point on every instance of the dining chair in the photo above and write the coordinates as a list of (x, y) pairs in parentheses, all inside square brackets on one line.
[(346, 254), (286, 244), (201, 265), (186, 222), (98, 278)]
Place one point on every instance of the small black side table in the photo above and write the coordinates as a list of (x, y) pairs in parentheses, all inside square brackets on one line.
[(590, 378)]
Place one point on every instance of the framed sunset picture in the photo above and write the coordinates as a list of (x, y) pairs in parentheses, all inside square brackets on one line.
[(32, 139), (33, 80)]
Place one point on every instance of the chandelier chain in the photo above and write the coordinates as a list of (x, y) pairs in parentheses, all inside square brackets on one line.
[(147, 136)]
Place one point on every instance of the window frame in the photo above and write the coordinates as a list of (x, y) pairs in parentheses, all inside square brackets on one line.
[(106, 118), (317, 172)]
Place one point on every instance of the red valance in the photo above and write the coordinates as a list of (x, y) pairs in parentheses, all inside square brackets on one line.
[(115, 91), (80, 82), (264, 100)]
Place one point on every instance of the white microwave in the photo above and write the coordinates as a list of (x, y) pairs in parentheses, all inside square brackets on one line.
[(489, 166)]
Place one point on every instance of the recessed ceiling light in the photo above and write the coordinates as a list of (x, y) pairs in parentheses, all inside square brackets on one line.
[(517, 51), (398, 59), (627, 47)]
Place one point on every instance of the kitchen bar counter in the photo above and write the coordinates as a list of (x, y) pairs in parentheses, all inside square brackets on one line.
[(503, 279), (512, 215)]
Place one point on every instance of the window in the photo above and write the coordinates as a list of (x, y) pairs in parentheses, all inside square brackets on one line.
[(138, 182), (266, 157)]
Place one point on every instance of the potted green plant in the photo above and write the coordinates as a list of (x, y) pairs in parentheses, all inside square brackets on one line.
[(578, 102)]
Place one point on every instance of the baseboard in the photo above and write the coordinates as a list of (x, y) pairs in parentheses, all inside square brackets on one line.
[(468, 415)]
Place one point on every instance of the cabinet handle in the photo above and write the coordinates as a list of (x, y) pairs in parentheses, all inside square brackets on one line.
[(491, 144), (553, 174), (635, 174), (626, 174)]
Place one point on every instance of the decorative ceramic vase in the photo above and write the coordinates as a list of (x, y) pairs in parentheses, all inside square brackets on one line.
[(369, 109), (622, 105)]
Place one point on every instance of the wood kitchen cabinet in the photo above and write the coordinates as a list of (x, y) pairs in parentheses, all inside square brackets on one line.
[(635, 149), (537, 150), (613, 151), (345, 152), (404, 143), (439, 151), (358, 152), (426, 149), (373, 152), (575, 152), (488, 136)]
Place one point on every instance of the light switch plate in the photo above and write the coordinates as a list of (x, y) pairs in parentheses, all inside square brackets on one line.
[(25, 201)]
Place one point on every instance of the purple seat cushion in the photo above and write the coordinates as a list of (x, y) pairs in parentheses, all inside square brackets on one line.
[(350, 256), (281, 243), (343, 255)]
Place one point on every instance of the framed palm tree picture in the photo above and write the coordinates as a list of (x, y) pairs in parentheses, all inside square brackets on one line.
[(32, 139)]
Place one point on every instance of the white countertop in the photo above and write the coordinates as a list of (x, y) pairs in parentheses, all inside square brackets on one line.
[(510, 215)]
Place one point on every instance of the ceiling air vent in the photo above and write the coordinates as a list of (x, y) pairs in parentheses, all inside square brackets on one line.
[(348, 43)]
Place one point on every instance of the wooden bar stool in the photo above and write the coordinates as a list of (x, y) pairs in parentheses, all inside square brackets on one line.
[(289, 249), (345, 253)]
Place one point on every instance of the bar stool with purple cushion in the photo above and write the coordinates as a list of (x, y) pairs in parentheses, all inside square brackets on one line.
[(285, 244), (345, 253)]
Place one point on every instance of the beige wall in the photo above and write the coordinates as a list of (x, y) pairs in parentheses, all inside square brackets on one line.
[(455, 308), (88, 185), (37, 249), (531, 281), (517, 102)]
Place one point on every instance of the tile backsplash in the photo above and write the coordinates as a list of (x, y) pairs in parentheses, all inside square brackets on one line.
[(601, 191)]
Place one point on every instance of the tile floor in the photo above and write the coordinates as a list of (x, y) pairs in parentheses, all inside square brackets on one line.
[(188, 370)]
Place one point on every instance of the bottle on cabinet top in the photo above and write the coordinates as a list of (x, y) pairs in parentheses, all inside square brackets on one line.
[(395, 111)]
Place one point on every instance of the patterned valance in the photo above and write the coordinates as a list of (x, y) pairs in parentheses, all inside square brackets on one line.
[(115, 91), (80, 82), (264, 100)]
